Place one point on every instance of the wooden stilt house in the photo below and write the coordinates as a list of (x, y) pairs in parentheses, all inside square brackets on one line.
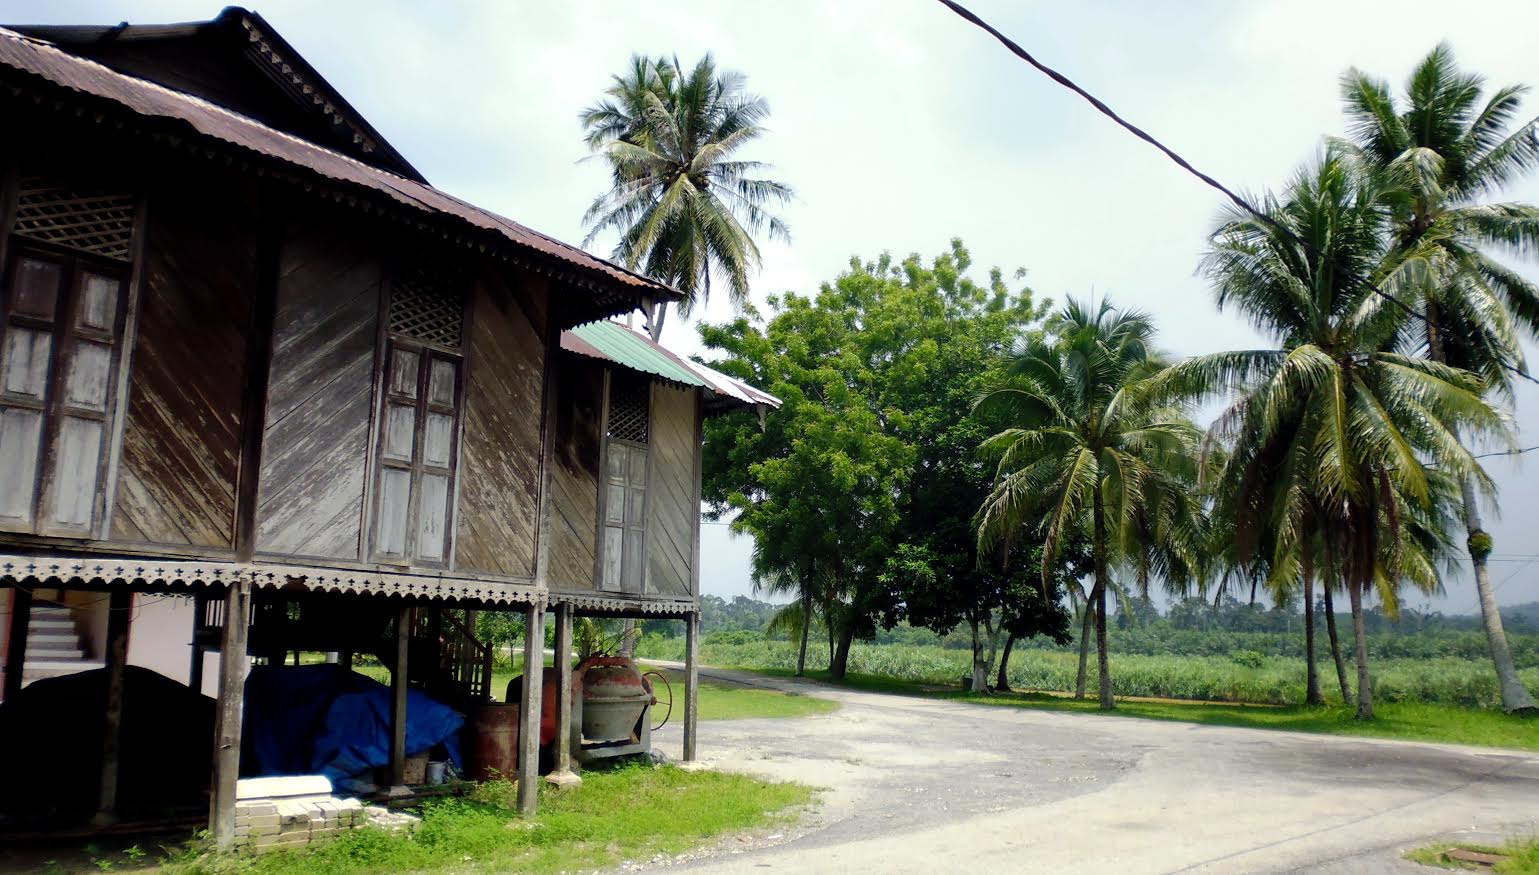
[(250, 357)]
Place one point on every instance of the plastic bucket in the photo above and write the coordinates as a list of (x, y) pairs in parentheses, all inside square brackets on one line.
[(437, 772)]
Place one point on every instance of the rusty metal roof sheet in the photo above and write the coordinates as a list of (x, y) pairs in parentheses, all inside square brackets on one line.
[(628, 348), (50, 63)]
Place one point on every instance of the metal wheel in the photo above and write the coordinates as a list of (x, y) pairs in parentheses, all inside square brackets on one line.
[(669, 687)]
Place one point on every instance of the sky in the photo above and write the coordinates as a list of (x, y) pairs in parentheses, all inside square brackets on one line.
[(901, 126)]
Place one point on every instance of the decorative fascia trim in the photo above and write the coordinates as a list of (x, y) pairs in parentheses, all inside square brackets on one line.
[(621, 605), (192, 574)]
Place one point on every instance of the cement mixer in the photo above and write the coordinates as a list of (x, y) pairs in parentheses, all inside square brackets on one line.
[(613, 716)]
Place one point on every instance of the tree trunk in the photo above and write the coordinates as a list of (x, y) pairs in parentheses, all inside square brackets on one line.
[(1099, 598), (1002, 683), (1515, 697), (656, 318), (628, 636), (841, 661), (1312, 694), (1330, 627), (980, 681), (1360, 633), (1086, 630), (992, 635), (828, 624), (801, 654)]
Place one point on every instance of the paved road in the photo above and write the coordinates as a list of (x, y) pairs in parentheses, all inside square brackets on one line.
[(919, 785)]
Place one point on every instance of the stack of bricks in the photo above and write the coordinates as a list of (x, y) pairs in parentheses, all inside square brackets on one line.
[(290, 812)]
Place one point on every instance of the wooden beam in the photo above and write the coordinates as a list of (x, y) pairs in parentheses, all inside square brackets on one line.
[(561, 769), (227, 716), (548, 413), (398, 700), (259, 352), (16, 642), (529, 710), (119, 611), (691, 683)]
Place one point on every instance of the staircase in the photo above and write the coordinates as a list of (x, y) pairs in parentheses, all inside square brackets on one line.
[(54, 644)]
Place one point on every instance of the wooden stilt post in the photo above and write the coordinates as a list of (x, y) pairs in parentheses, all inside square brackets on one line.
[(398, 674), (529, 710), (561, 770), (16, 643), (119, 611), (691, 683), (227, 718)]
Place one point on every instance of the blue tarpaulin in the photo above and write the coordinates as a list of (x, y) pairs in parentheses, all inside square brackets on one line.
[(327, 720)]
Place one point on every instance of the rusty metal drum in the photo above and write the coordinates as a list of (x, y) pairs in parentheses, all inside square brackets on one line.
[(491, 749)]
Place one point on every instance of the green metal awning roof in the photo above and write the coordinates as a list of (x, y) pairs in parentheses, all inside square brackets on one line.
[(613, 342)]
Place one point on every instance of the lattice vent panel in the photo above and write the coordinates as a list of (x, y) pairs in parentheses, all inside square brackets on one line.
[(628, 408), (427, 302), (80, 218)]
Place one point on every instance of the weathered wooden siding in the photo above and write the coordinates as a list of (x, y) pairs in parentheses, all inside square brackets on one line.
[(575, 476), (671, 492), (182, 439), (320, 389), (499, 471)]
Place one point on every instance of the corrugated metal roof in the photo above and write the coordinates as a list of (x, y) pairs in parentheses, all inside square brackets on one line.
[(52, 64), (628, 348)]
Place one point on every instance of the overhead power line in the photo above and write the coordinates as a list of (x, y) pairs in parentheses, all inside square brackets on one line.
[(1101, 107), (1506, 453)]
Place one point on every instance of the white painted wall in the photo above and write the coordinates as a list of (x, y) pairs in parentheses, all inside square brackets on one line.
[(160, 639)]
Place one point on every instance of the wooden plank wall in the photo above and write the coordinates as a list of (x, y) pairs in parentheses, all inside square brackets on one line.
[(499, 474), (671, 501), (182, 439), (575, 475), (315, 444)]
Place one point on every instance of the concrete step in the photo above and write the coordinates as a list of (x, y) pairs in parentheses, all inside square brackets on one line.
[(54, 655), (52, 642), (51, 612), (45, 626), (52, 668)]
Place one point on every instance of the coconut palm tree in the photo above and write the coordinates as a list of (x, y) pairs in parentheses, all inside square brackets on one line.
[(1086, 457), (1444, 149), (684, 205), (1333, 434)]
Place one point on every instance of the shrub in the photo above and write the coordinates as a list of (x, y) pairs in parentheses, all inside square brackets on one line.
[(1248, 658)]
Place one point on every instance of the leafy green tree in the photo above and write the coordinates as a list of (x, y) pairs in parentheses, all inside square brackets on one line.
[(1443, 151), (684, 204), (1332, 435), (877, 372), (1085, 455)]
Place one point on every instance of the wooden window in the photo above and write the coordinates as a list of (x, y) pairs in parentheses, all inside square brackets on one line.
[(622, 549), (419, 419), (63, 317)]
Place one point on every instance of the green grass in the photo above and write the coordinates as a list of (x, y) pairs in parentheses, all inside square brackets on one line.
[(1522, 856), (727, 701), (1406, 721), (1269, 680), (631, 812)]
